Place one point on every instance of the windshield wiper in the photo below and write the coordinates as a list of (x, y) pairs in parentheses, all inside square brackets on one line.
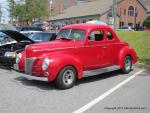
[(63, 38)]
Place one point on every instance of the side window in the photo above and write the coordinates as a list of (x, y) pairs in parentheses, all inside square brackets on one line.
[(97, 35), (109, 36)]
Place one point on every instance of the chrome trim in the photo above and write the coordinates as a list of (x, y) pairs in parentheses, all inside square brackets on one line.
[(74, 47), (16, 67), (53, 49), (28, 65), (35, 58), (29, 77), (100, 71)]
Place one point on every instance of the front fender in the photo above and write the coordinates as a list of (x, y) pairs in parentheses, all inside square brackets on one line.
[(59, 61), (125, 52)]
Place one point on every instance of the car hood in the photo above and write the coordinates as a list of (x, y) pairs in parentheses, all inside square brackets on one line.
[(52, 46), (16, 35)]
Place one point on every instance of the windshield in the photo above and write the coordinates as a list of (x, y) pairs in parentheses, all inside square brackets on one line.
[(27, 34), (73, 34), (40, 37)]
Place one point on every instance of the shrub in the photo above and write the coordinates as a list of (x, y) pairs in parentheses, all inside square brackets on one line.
[(147, 22)]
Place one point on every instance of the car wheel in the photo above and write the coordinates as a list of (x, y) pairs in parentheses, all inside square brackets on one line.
[(66, 78), (127, 65)]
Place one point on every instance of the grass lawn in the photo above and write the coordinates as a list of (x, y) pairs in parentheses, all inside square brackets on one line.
[(140, 41)]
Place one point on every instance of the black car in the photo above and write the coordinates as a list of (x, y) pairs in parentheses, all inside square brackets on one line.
[(42, 36), (14, 42), (28, 28)]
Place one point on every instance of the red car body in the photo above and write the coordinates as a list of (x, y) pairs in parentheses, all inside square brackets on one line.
[(87, 57)]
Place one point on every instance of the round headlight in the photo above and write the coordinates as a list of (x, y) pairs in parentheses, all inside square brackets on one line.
[(45, 63), (18, 57)]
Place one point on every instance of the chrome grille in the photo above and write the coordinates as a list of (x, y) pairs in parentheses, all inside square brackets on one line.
[(28, 65)]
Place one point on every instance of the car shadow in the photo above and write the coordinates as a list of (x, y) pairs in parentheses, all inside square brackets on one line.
[(5, 67), (36, 84), (51, 86)]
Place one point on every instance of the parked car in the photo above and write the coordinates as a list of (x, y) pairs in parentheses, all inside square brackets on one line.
[(38, 25), (29, 33), (43, 36), (126, 28), (139, 28), (81, 50), (15, 42), (28, 28), (1, 36)]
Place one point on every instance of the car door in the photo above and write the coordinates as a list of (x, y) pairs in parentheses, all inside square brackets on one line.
[(95, 51), (113, 47)]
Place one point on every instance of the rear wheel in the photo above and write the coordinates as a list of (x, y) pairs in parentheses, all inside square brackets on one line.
[(127, 65), (66, 78)]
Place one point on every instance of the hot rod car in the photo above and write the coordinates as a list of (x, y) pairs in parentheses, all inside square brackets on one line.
[(81, 50)]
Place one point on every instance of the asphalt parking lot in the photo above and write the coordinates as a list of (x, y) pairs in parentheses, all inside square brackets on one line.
[(106, 93)]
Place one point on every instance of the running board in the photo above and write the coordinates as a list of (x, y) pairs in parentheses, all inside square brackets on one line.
[(100, 71)]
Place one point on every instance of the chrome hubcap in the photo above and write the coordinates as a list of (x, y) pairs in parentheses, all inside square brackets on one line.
[(128, 64), (68, 77)]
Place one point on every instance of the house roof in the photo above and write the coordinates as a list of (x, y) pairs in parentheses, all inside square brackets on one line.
[(146, 3), (84, 9), (97, 7)]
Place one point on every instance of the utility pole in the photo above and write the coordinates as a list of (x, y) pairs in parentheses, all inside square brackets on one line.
[(135, 16), (114, 12)]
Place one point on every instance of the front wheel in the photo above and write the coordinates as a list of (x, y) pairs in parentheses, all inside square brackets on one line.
[(127, 65), (66, 78)]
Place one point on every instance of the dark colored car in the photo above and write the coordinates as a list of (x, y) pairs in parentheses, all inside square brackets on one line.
[(42, 36), (14, 42), (29, 28), (38, 25)]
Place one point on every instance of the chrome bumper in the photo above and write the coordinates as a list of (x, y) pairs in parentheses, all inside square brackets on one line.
[(16, 67), (29, 77)]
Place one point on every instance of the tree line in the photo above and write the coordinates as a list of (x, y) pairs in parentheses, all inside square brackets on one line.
[(27, 11)]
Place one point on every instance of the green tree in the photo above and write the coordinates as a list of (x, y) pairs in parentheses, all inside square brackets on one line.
[(11, 9), (147, 22), (28, 10)]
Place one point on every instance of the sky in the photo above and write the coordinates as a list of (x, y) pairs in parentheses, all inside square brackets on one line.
[(5, 14)]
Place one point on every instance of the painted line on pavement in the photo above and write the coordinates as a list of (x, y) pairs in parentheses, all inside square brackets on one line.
[(107, 93)]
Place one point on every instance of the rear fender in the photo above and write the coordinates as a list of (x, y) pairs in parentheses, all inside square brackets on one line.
[(125, 52)]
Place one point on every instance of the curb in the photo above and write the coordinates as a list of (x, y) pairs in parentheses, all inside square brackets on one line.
[(141, 65)]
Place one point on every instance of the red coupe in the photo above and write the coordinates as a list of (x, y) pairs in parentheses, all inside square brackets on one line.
[(81, 50)]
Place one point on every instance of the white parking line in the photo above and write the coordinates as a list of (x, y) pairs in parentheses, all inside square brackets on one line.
[(101, 97)]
